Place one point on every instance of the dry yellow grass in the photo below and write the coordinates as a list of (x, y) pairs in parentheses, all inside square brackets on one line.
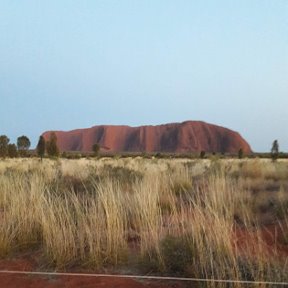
[(90, 212)]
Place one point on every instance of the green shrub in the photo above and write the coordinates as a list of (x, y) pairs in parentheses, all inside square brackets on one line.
[(177, 255), (202, 154), (174, 257), (121, 174), (240, 153), (182, 187)]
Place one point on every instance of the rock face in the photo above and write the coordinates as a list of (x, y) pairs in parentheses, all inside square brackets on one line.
[(188, 136)]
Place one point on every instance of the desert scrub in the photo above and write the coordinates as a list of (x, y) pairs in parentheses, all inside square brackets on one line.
[(281, 204), (59, 231), (21, 198), (93, 230), (177, 255), (182, 218), (121, 174), (180, 181), (112, 206), (145, 213), (7, 235), (250, 169), (174, 257)]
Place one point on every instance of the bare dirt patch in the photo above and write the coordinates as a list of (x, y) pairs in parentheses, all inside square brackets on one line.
[(32, 281)]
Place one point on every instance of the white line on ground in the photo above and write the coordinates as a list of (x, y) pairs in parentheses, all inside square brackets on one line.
[(147, 277)]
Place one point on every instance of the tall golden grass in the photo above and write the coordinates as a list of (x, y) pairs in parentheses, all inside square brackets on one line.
[(85, 212)]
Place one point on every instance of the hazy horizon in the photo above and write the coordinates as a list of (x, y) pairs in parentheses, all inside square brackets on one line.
[(68, 65)]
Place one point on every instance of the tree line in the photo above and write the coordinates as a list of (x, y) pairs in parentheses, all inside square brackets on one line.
[(50, 148), (12, 150), (23, 144)]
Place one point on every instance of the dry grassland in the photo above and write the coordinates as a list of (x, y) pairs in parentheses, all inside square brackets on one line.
[(224, 219)]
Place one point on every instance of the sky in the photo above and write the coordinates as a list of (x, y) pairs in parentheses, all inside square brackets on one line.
[(74, 64)]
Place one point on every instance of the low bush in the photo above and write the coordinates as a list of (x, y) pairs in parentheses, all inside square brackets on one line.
[(121, 174), (177, 255)]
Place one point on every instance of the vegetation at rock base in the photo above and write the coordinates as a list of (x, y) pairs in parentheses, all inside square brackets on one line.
[(240, 153), (51, 146), (96, 149), (41, 147)]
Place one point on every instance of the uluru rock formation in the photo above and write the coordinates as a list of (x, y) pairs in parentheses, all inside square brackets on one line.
[(188, 136)]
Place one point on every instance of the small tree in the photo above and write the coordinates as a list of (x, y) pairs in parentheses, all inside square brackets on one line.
[(202, 154), (275, 150), (12, 151), (41, 147), (23, 144), (51, 146), (4, 141), (96, 149), (240, 153)]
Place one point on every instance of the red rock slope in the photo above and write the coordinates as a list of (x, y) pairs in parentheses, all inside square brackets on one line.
[(175, 137)]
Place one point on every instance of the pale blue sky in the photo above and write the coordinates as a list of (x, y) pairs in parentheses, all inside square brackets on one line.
[(73, 64)]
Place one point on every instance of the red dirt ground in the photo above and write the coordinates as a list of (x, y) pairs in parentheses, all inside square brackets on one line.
[(271, 235), (16, 281), (32, 281)]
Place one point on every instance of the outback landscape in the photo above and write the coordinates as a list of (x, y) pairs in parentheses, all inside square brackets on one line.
[(143, 144)]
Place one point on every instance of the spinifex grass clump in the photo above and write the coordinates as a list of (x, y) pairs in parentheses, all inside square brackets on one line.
[(21, 198), (90, 229), (145, 213), (197, 218), (59, 232)]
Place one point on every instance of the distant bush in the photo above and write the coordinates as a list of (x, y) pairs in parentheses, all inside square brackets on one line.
[(23, 144), (4, 141), (96, 149), (76, 156), (12, 151), (240, 153), (121, 174), (41, 147), (275, 150), (202, 154), (51, 146), (181, 187), (159, 155), (64, 154)]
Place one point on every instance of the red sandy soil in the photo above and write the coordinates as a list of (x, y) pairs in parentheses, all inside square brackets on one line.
[(32, 281), (189, 136), (271, 236), (16, 281)]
